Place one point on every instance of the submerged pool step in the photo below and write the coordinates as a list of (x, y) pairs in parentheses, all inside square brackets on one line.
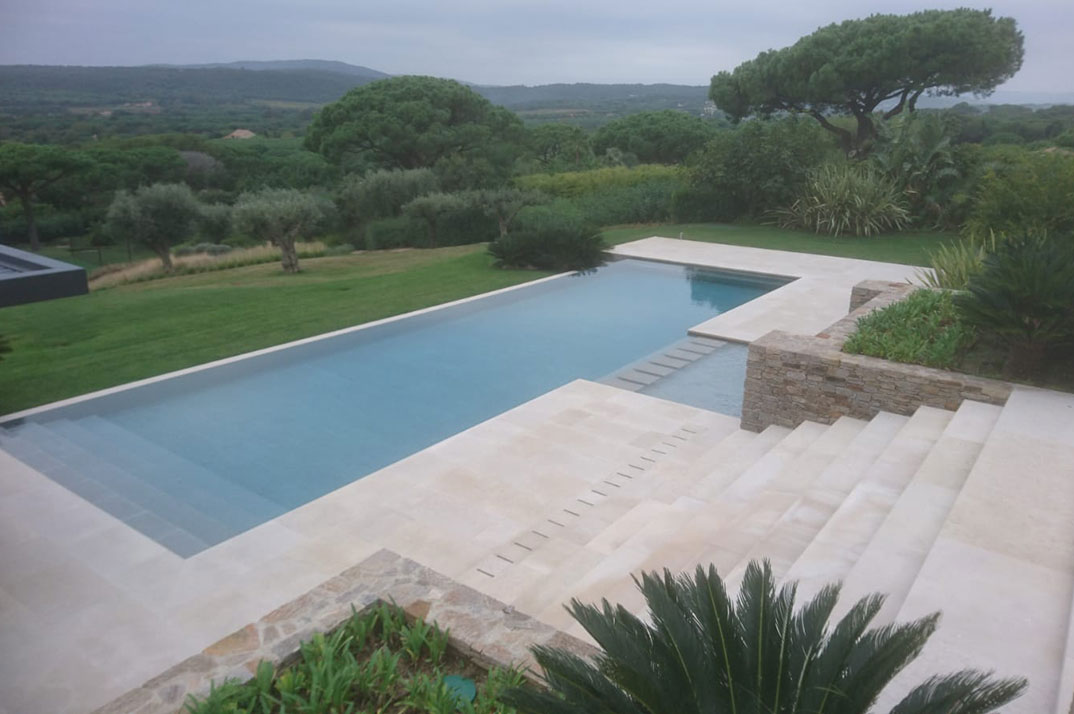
[(649, 370), (208, 492), (149, 510)]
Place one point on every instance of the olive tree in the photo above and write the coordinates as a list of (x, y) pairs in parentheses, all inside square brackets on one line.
[(281, 216), (857, 66), (158, 216), (503, 204)]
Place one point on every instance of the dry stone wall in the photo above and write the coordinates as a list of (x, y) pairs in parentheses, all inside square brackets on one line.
[(795, 378)]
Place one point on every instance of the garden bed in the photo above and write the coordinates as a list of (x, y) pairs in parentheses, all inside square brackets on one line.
[(794, 378), (482, 633)]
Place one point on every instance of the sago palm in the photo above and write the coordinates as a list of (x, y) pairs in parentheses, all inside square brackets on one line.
[(757, 654)]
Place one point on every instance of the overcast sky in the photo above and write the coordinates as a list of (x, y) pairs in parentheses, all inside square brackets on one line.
[(484, 41)]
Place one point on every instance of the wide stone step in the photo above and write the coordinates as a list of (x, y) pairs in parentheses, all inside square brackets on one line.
[(1002, 567), (657, 536), (533, 552), (891, 561), (837, 545), (157, 514), (798, 526)]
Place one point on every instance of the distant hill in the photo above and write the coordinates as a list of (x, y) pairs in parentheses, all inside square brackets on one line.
[(71, 104), (551, 95), (22, 85), (288, 65)]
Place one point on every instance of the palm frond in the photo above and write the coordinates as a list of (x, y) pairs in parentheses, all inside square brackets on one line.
[(965, 692)]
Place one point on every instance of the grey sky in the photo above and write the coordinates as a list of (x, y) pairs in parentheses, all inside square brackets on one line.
[(485, 41)]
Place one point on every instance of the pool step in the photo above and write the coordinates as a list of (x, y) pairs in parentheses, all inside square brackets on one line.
[(649, 370), (139, 504), (209, 492)]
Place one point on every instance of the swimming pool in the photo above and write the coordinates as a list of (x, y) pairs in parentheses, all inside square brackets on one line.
[(193, 460)]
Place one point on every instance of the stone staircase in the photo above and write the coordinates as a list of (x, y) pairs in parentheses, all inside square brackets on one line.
[(969, 512)]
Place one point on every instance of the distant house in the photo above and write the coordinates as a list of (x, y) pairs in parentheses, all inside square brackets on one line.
[(241, 134)]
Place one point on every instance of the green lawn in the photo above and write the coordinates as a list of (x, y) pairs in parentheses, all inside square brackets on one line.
[(63, 348), (905, 248)]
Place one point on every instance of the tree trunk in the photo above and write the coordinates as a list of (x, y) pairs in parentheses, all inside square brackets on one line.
[(503, 226), (432, 234), (165, 254), (289, 256), (31, 222)]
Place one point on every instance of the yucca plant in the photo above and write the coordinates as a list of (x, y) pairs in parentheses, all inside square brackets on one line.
[(757, 654), (847, 199), (953, 264), (1024, 295)]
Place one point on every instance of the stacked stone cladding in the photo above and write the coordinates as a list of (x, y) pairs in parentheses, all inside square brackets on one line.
[(794, 378)]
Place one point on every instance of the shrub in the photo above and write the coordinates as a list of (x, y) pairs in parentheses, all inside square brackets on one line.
[(549, 239), (340, 249), (695, 203), (702, 651), (206, 248), (953, 264), (915, 152), (659, 137), (647, 202), (572, 184), (761, 165), (382, 194), (1024, 295), (846, 198), (1066, 139), (215, 222), (922, 329), (389, 233), (1004, 137), (1024, 193)]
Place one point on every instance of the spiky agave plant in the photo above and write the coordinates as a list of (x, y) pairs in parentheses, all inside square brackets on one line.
[(706, 652)]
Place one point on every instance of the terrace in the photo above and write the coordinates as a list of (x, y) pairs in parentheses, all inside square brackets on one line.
[(568, 494)]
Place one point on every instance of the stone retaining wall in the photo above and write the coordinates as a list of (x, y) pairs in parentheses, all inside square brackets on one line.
[(484, 630), (795, 378)]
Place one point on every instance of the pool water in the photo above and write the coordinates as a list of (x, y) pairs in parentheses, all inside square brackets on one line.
[(193, 460)]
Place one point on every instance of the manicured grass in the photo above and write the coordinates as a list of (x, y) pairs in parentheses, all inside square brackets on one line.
[(63, 348), (905, 248)]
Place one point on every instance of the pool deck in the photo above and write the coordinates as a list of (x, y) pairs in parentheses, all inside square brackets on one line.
[(90, 608), (816, 299)]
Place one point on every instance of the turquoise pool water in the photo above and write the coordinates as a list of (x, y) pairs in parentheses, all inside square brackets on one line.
[(193, 460)]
